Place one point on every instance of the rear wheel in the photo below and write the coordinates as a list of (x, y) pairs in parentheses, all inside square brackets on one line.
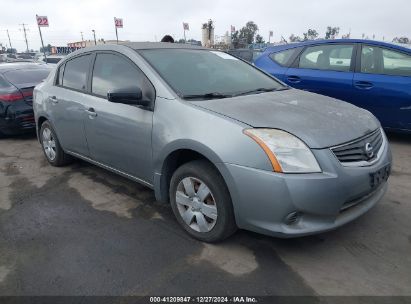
[(51, 146), (201, 202)]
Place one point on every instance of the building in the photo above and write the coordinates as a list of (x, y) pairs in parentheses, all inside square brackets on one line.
[(208, 34)]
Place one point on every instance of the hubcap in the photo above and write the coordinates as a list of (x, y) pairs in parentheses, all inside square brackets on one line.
[(49, 144), (196, 204)]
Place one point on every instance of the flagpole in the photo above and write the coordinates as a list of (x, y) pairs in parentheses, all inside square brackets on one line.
[(115, 27)]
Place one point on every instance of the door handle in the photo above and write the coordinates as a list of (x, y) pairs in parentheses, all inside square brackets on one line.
[(91, 112), (294, 79), (364, 85), (53, 99)]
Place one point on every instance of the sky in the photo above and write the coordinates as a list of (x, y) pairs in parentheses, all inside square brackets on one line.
[(150, 20)]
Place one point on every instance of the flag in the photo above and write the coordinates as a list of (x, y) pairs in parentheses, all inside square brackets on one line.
[(186, 27), (271, 33), (232, 29)]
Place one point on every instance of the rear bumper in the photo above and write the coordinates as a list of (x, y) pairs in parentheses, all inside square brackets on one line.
[(265, 201), (17, 119)]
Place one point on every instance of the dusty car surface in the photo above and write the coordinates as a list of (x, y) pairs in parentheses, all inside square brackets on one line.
[(226, 144)]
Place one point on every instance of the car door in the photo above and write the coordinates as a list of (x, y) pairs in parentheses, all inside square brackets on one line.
[(382, 85), (65, 103), (119, 135), (325, 69)]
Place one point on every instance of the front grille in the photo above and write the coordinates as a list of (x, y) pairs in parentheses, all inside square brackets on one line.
[(362, 150)]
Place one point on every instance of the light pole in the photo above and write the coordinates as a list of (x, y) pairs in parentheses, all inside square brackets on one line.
[(11, 47), (94, 34), (25, 35)]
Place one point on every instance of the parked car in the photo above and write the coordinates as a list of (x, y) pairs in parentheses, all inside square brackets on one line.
[(245, 54), (53, 59), (226, 144), (3, 58), (17, 81), (373, 75)]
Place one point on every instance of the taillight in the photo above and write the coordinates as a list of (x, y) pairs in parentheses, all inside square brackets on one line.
[(27, 93), (11, 97)]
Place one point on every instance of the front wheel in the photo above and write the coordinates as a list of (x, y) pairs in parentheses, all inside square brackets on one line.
[(201, 202), (51, 146)]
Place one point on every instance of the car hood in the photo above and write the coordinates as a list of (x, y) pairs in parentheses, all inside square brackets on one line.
[(318, 120)]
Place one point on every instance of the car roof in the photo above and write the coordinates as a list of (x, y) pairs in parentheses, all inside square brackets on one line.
[(324, 41), (160, 45), (134, 46), (13, 66)]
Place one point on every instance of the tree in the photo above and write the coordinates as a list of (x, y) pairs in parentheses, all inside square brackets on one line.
[(294, 38), (248, 32), (310, 35), (405, 40), (259, 39), (332, 32), (235, 39), (47, 48)]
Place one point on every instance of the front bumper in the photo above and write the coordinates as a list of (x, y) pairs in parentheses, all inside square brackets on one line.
[(263, 201)]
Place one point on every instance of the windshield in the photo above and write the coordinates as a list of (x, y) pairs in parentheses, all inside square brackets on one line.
[(24, 76), (203, 72)]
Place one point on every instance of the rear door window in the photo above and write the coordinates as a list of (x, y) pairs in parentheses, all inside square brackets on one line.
[(334, 57), (377, 60), (75, 72), (283, 57)]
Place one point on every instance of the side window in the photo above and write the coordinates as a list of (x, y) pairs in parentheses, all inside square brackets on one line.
[(336, 57), (283, 57), (75, 73), (376, 60), (115, 72), (59, 80)]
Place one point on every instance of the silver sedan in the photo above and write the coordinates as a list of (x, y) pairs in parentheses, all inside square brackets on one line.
[(226, 144)]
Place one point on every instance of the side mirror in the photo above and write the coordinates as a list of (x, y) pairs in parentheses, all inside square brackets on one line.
[(131, 95)]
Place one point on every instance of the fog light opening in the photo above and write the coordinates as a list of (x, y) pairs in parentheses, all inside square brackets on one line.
[(292, 218)]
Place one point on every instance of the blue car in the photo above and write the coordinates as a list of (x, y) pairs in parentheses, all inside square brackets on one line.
[(369, 74)]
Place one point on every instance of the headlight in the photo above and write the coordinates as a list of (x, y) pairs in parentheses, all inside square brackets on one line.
[(286, 152)]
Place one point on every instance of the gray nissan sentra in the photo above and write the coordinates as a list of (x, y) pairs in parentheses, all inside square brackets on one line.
[(226, 144)]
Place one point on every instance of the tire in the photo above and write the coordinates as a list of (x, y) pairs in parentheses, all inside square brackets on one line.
[(190, 183), (51, 146)]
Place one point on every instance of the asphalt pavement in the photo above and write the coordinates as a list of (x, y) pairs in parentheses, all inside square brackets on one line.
[(81, 230)]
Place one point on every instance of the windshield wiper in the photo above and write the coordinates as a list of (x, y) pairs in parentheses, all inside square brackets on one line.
[(207, 95), (261, 90)]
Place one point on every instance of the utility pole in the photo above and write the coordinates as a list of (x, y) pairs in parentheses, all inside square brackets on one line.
[(94, 34), (11, 47), (25, 35), (82, 39)]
